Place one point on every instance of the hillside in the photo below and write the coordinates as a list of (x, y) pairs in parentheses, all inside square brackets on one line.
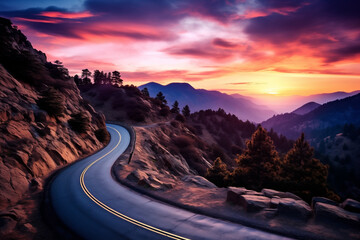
[(44, 124), (200, 99), (306, 108), (328, 115)]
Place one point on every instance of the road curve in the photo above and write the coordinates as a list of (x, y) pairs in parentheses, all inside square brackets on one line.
[(91, 203)]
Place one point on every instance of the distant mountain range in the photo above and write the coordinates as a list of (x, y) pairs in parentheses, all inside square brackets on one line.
[(283, 104), (306, 108), (328, 115), (200, 99)]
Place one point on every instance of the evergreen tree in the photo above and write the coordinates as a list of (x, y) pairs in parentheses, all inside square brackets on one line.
[(186, 111), (258, 165), (116, 79), (86, 76), (175, 107), (161, 98), (305, 175), (218, 173), (78, 80), (145, 92), (97, 77)]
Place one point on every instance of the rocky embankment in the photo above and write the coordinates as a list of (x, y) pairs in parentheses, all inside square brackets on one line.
[(38, 129)]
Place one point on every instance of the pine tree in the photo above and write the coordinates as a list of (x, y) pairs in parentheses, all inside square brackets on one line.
[(116, 79), (305, 175), (161, 98), (175, 107), (258, 165), (218, 173), (145, 92), (86, 76), (186, 111)]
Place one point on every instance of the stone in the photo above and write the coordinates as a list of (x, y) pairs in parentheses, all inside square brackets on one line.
[(253, 202), (274, 202), (272, 193), (294, 208), (327, 212), (322, 200), (198, 180), (234, 193), (251, 192), (351, 205)]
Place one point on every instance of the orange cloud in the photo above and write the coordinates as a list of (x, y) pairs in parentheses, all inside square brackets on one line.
[(66, 15), (38, 20)]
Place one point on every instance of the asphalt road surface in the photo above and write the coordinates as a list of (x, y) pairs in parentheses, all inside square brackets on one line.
[(92, 204)]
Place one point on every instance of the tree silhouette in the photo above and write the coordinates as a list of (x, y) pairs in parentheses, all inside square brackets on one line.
[(161, 98), (86, 76), (218, 173), (258, 165), (175, 107), (97, 77), (116, 79), (305, 175), (145, 92), (78, 80), (186, 111)]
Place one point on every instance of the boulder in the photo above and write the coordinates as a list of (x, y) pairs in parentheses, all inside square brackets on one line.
[(328, 212), (254, 202), (322, 200), (294, 208), (234, 193), (272, 193), (198, 180), (274, 202), (351, 205)]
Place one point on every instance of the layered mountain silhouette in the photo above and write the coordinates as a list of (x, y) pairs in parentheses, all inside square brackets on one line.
[(306, 108), (328, 115), (199, 99)]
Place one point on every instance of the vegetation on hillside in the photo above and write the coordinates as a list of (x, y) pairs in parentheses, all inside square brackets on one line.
[(259, 166)]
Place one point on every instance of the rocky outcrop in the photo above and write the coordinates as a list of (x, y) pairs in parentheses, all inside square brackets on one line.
[(273, 193), (254, 202), (351, 205), (33, 139), (294, 208), (329, 213), (199, 181)]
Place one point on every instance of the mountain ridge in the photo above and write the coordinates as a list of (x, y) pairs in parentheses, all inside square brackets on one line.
[(199, 99)]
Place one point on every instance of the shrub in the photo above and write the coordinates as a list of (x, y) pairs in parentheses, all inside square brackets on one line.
[(164, 111), (183, 141), (52, 102), (79, 122), (180, 118), (136, 115), (102, 135), (218, 173)]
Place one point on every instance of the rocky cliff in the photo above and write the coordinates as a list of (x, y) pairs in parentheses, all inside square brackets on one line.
[(44, 122)]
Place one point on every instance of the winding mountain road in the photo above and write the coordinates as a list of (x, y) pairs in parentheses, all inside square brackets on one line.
[(91, 203)]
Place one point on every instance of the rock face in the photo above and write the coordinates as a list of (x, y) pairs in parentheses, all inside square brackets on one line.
[(33, 141), (198, 180), (294, 208), (322, 200), (254, 202), (327, 212), (351, 205), (273, 193)]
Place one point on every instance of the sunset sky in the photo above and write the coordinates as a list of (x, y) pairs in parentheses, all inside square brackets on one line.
[(250, 47)]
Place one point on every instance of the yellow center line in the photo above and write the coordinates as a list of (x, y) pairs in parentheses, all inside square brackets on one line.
[(114, 212)]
